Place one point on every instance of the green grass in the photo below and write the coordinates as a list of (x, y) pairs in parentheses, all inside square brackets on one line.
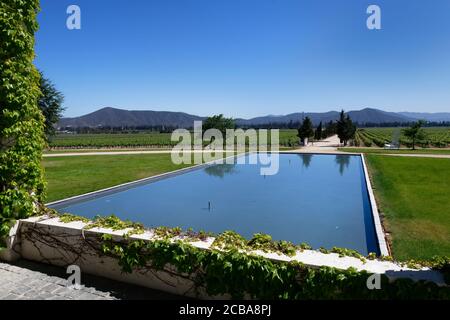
[(400, 151), (413, 194), (70, 176), (124, 150)]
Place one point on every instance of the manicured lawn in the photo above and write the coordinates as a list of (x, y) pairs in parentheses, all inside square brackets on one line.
[(70, 176), (406, 151), (414, 195)]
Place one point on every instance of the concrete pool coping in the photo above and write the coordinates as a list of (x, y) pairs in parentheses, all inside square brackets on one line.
[(379, 231), (381, 236)]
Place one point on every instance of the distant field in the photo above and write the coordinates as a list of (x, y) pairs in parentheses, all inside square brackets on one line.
[(372, 137), (108, 140), (365, 137), (413, 194), (288, 138)]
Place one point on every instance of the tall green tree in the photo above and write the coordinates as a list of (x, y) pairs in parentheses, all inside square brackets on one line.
[(306, 130), (345, 128), (21, 121), (415, 132), (318, 133), (350, 128), (330, 130), (220, 123), (50, 103)]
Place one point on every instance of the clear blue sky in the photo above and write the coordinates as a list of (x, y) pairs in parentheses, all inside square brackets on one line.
[(247, 58)]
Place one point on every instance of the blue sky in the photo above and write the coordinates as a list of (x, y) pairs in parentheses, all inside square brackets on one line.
[(247, 58)]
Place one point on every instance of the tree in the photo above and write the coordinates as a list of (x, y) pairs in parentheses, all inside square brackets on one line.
[(318, 133), (21, 122), (350, 128), (50, 103), (306, 130), (345, 128), (330, 130), (415, 132), (220, 123)]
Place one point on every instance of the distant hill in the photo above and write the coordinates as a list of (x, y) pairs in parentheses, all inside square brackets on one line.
[(294, 117), (361, 116), (435, 117), (369, 115), (112, 117)]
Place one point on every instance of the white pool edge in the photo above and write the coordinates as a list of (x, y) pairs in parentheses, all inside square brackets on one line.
[(381, 237)]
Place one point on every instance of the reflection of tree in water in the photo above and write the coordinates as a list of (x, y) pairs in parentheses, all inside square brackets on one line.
[(343, 162), (306, 159), (220, 170)]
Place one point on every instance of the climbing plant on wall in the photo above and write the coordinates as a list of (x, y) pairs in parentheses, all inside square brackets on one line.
[(21, 122)]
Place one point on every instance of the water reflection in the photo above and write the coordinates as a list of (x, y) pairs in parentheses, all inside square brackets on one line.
[(343, 161), (220, 170), (306, 160)]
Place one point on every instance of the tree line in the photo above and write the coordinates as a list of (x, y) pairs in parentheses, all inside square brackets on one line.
[(344, 128)]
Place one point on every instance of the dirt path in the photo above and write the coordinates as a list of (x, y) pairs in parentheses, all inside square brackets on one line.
[(329, 145)]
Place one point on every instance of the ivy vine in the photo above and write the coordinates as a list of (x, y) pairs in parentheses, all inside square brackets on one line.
[(21, 122), (243, 274), (232, 267)]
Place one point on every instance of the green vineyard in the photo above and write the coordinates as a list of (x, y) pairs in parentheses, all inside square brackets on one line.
[(378, 137), (365, 137), (106, 140), (288, 138)]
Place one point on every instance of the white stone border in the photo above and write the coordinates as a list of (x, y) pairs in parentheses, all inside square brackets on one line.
[(382, 244), (73, 234)]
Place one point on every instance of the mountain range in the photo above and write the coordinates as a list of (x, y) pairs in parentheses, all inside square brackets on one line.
[(435, 117), (112, 117)]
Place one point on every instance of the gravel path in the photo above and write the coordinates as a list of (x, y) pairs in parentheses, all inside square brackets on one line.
[(28, 280)]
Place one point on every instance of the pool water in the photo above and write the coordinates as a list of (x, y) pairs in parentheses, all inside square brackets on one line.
[(321, 200)]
